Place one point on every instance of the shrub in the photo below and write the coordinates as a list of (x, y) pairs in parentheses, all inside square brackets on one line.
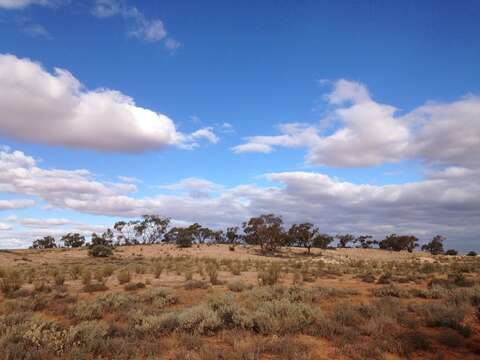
[(59, 279), (10, 282), (368, 278), (87, 310), (450, 338), (237, 286), (195, 284), (100, 251), (96, 287), (134, 286), (108, 270), (385, 279), (212, 272), (159, 297), (451, 252), (89, 335), (86, 277), (123, 277), (157, 269), (392, 291), (472, 253), (199, 319), (270, 276)]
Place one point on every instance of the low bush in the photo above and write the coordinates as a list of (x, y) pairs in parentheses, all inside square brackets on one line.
[(10, 282), (237, 286), (124, 277), (100, 251), (95, 287), (270, 276), (195, 284), (134, 286), (87, 310)]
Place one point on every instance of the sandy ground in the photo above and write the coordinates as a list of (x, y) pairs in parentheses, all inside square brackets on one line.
[(11, 257)]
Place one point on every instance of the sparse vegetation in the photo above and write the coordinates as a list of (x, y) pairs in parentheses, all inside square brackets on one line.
[(138, 304)]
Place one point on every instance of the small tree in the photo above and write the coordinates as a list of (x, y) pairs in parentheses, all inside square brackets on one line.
[(266, 231), (106, 239), (322, 241), (303, 235), (151, 228), (396, 242), (435, 247), (126, 233), (73, 240), (47, 242), (343, 240), (232, 236), (365, 241), (181, 236)]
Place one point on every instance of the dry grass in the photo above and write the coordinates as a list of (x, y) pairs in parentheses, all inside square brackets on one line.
[(207, 302)]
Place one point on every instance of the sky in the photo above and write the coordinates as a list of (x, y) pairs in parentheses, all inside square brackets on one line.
[(358, 116)]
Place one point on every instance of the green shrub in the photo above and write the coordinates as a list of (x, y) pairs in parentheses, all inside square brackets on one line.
[(100, 251), (199, 319)]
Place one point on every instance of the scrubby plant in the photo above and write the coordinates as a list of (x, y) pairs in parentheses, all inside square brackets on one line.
[(11, 281), (134, 286), (158, 269), (195, 284), (270, 276), (87, 310), (108, 270), (100, 251), (212, 272), (86, 277), (237, 286), (95, 287), (124, 277)]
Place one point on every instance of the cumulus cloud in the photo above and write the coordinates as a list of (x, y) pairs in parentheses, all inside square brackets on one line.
[(447, 201), (55, 109), (151, 30), (369, 133)]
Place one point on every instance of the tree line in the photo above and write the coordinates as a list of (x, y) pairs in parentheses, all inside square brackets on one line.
[(267, 231)]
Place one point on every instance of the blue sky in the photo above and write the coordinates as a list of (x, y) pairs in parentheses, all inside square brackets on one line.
[(239, 70)]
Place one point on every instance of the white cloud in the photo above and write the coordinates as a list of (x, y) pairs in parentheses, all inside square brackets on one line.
[(4, 227), (368, 133), (16, 204), (20, 4), (56, 109), (447, 201), (44, 223), (252, 147), (151, 30)]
